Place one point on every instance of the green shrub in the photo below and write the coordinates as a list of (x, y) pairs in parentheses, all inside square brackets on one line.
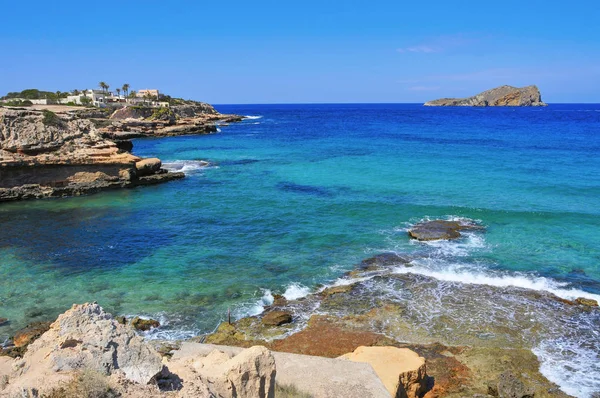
[(50, 118), (289, 391), (18, 103)]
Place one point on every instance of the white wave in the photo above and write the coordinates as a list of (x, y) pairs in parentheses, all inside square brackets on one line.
[(296, 291), (455, 248), (253, 117), (468, 275), (258, 307), (572, 366), (218, 130), (186, 166)]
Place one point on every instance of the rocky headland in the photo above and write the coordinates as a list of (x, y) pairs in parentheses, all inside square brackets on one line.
[(86, 150), (499, 96)]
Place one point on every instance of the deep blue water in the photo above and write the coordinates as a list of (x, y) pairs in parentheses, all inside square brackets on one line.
[(299, 194)]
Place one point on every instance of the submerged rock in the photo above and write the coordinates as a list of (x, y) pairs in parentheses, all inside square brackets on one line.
[(144, 324), (402, 371), (383, 260), (499, 96), (3, 321), (276, 318), (510, 386), (440, 230)]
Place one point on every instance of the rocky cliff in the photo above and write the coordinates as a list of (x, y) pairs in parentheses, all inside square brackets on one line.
[(43, 154), (499, 96)]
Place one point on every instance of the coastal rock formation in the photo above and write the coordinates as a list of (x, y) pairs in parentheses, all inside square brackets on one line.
[(499, 96), (43, 154), (250, 374), (276, 318), (440, 230), (144, 121), (402, 371)]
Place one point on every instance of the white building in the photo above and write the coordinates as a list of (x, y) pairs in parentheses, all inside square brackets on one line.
[(97, 98)]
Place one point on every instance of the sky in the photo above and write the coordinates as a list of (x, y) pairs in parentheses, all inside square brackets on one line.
[(235, 52)]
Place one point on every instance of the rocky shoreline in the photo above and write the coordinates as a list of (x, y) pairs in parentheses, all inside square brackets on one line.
[(45, 154), (332, 322)]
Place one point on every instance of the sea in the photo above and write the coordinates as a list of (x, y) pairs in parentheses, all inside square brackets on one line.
[(295, 196)]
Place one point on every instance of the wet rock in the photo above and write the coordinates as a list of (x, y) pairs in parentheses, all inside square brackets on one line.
[(146, 167), (383, 260), (439, 230), (144, 324), (228, 334), (3, 321), (276, 318), (30, 333), (402, 371), (586, 302), (121, 319), (279, 300), (330, 291), (510, 386)]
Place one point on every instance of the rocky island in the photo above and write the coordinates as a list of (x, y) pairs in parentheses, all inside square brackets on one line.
[(58, 150), (499, 96)]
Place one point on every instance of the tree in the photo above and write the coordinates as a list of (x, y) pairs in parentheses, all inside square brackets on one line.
[(84, 92), (75, 92), (149, 97), (86, 101), (132, 94), (118, 92), (103, 86), (125, 89)]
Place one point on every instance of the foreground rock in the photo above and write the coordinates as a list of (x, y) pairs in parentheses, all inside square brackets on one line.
[(43, 154), (499, 96), (440, 230), (402, 371)]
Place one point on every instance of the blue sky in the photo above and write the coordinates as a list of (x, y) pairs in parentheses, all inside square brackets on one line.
[(307, 51)]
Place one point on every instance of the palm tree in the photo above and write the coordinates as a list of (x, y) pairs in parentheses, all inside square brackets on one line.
[(125, 89), (75, 92), (132, 94), (118, 92), (84, 91), (103, 86)]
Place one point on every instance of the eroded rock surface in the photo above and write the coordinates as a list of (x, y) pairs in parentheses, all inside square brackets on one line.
[(499, 96), (402, 371), (43, 154)]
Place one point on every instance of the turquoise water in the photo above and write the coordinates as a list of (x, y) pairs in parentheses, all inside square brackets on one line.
[(299, 194)]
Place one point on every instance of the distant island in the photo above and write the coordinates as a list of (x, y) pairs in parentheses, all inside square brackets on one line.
[(499, 96)]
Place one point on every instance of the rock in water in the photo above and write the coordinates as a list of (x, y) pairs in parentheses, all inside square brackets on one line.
[(402, 371), (499, 96), (148, 166), (30, 333), (586, 302), (86, 337), (440, 230), (276, 318), (143, 324)]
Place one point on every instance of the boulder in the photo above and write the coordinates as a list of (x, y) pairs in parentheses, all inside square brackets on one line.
[(86, 337), (250, 374), (276, 318), (440, 230), (402, 371), (586, 302), (279, 300), (148, 166), (143, 324)]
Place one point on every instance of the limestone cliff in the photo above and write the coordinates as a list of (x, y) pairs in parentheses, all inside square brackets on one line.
[(499, 96), (43, 154)]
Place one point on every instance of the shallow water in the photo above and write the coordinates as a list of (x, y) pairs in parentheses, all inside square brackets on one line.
[(299, 194)]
